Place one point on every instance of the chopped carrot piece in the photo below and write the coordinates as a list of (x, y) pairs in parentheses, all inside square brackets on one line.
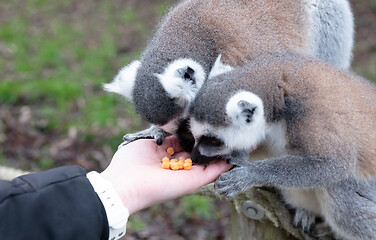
[(188, 160), (181, 164), (187, 165), (174, 165), (170, 151), (166, 165)]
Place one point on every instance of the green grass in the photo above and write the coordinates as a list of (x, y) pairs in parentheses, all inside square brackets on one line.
[(367, 70), (2, 158), (199, 206), (54, 58), (135, 223), (59, 63), (46, 163)]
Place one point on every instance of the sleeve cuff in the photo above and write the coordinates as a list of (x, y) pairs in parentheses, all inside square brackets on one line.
[(117, 213)]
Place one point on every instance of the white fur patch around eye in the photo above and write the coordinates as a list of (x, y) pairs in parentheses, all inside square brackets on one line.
[(178, 87), (219, 68), (123, 83), (241, 134)]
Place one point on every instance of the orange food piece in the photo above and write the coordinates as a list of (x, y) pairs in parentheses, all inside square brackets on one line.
[(174, 165), (170, 151), (166, 165), (181, 164), (187, 165), (188, 160)]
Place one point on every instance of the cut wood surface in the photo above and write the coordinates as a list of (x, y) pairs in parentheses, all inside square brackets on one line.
[(259, 214)]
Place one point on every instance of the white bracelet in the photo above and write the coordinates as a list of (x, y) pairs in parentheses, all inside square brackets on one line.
[(117, 213)]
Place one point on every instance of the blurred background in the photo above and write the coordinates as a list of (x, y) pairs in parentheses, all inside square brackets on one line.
[(54, 57)]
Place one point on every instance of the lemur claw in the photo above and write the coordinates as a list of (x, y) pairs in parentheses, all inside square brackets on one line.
[(309, 224), (151, 133), (304, 220)]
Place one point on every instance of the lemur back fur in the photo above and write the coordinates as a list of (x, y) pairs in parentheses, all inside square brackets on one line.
[(239, 30)]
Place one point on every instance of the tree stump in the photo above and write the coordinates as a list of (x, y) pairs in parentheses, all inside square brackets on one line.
[(259, 214), (7, 173)]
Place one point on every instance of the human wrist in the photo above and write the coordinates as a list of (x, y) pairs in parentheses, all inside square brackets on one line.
[(127, 194), (117, 213)]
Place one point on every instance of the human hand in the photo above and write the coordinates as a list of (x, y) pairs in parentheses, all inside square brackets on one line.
[(137, 175)]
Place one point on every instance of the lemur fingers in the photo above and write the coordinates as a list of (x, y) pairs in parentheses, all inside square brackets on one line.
[(304, 219), (151, 133), (322, 231), (234, 182)]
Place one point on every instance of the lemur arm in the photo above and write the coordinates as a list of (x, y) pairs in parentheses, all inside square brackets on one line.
[(153, 132), (286, 171)]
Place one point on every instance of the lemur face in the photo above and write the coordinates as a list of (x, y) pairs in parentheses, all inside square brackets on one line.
[(245, 130), (163, 96), (159, 96)]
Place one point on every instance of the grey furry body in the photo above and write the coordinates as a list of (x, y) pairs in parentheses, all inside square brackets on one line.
[(312, 136), (241, 32), (332, 30)]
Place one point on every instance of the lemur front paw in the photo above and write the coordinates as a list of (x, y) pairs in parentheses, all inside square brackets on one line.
[(151, 133), (322, 231), (304, 219), (310, 224), (234, 182)]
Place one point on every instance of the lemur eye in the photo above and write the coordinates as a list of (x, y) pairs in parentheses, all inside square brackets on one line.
[(215, 142)]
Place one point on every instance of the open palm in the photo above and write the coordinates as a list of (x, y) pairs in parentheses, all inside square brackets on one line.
[(138, 177)]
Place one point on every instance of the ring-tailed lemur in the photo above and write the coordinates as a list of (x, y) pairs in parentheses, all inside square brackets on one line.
[(181, 55), (310, 126)]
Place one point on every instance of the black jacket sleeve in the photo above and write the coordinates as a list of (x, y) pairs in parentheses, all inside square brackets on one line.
[(51, 205)]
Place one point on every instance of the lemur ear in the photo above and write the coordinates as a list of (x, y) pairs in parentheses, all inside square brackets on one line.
[(219, 68), (123, 83), (182, 79), (246, 111), (187, 73), (243, 107)]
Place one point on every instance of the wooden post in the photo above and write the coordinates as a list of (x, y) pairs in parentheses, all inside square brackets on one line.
[(7, 173), (254, 216), (244, 228), (259, 214)]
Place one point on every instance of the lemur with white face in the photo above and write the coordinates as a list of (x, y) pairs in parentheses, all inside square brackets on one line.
[(310, 130), (181, 55)]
